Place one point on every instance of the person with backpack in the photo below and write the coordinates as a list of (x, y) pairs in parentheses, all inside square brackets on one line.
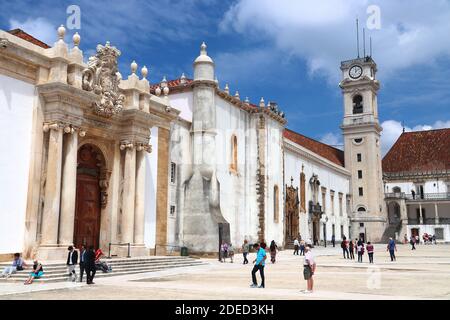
[(360, 250), (370, 250)]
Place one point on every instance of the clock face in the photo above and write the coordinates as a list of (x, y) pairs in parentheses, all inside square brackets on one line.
[(355, 72)]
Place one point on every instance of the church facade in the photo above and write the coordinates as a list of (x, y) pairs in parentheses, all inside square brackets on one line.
[(139, 169)]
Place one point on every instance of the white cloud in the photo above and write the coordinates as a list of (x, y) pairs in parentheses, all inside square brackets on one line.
[(40, 28), (323, 33), (393, 129), (332, 139)]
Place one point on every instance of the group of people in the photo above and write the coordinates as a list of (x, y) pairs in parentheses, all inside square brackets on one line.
[(89, 262), (357, 246), (299, 246)]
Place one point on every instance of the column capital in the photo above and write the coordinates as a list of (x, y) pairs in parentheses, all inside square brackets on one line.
[(126, 145), (52, 126), (143, 146)]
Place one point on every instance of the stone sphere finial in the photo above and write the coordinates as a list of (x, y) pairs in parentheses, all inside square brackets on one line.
[(166, 91), (183, 78), (262, 103), (134, 67), (144, 72), (61, 32), (158, 91), (76, 39), (227, 89), (237, 96), (247, 100)]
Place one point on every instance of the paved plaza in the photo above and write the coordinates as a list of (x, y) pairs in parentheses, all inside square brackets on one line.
[(420, 274)]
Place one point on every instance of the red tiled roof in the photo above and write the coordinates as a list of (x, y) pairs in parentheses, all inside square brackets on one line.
[(328, 152), (27, 37), (170, 84), (419, 151)]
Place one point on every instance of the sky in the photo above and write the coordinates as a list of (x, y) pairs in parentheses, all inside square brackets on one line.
[(283, 50)]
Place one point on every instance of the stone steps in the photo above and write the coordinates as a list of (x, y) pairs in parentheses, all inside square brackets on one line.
[(55, 272)]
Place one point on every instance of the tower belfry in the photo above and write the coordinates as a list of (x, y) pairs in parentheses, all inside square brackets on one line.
[(362, 131)]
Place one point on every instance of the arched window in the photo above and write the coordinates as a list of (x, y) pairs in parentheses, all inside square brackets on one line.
[(276, 204), (234, 154), (396, 190), (362, 210), (358, 104)]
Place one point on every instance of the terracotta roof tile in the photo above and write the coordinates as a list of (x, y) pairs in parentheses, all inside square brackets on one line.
[(27, 37), (419, 151), (328, 152)]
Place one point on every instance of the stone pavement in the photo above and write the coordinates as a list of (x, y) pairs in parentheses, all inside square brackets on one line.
[(420, 274)]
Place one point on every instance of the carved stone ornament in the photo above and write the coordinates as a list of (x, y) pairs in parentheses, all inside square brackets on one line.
[(103, 79)]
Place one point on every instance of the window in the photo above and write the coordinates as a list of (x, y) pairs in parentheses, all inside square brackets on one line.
[(358, 141), (359, 174), (396, 190), (359, 157), (361, 225), (173, 172), (362, 210), (324, 194), (358, 104), (234, 154), (333, 230), (361, 192), (276, 204), (342, 231), (341, 211), (172, 211), (332, 202)]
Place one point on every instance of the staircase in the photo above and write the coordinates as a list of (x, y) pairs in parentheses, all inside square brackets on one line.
[(390, 232), (55, 272)]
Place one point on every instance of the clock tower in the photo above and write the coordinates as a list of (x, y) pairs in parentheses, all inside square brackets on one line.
[(361, 131)]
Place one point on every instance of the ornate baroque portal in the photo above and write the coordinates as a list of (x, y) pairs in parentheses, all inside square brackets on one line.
[(291, 214)]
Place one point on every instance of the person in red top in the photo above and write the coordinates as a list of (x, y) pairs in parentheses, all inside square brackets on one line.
[(370, 249), (344, 246)]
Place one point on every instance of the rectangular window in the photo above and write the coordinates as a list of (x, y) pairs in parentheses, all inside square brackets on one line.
[(342, 231), (332, 202), (361, 192), (359, 156), (172, 211), (359, 174), (324, 194), (341, 211), (173, 172)]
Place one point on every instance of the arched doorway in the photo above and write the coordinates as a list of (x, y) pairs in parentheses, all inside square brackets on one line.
[(89, 197), (394, 213)]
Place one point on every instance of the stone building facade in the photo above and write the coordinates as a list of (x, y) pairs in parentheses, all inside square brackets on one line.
[(143, 169)]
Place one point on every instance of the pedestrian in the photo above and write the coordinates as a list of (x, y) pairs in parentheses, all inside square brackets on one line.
[(417, 240), (360, 250), (333, 240), (296, 246), (259, 262), (405, 239), (245, 251), (344, 246), (413, 243), (433, 239), (72, 261), (273, 251), (18, 264), (90, 265), (370, 250), (351, 247), (302, 247), (223, 251), (356, 245), (37, 273), (309, 268), (231, 252), (82, 261), (391, 247)]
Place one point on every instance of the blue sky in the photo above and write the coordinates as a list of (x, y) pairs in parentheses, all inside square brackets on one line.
[(287, 51)]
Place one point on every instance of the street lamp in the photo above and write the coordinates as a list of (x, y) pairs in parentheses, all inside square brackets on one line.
[(324, 221)]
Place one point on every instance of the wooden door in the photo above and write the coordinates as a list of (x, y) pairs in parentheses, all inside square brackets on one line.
[(88, 207)]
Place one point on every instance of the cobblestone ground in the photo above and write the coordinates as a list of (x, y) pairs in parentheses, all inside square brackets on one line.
[(420, 274)]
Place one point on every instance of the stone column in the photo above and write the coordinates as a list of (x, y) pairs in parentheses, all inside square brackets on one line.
[(69, 187), (162, 190), (129, 189), (139, 210), (436, 214), (50, 216)]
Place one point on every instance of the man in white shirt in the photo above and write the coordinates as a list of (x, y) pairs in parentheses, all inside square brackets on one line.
[(72, 261), (296, 246), (309, 268)]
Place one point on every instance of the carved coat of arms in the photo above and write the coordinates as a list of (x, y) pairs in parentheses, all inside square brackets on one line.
[(103, 79)]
